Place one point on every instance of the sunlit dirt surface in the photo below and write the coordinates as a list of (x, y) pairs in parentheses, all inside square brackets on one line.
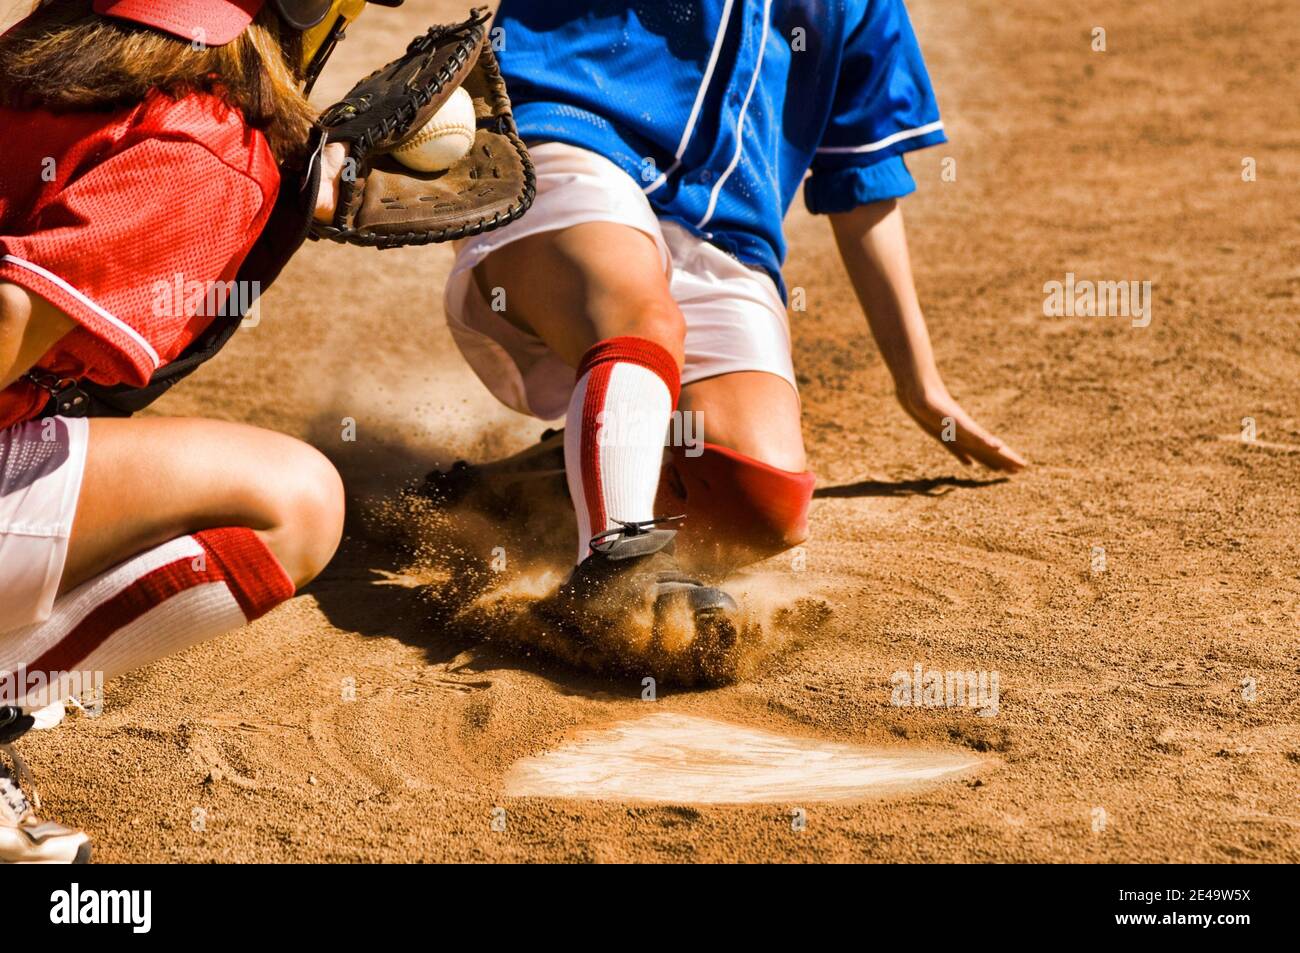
[(1137, 588)]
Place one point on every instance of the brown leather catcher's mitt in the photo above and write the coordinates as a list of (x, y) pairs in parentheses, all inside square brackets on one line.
[(381, 202)]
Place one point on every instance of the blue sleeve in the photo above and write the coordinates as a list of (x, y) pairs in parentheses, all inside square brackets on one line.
[(842, 190), (884, 106)]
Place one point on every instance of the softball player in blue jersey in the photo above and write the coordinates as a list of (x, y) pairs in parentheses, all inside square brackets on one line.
[(670, 139)]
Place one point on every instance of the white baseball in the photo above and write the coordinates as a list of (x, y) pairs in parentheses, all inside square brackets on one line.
[(444, 140)]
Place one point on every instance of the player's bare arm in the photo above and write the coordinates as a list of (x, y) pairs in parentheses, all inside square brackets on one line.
[(873, 245), (29, 326)]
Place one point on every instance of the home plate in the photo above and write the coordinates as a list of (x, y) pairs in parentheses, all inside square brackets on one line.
[(683, 759)]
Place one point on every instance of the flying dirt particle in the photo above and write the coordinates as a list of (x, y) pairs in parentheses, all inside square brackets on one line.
[(448, 549)]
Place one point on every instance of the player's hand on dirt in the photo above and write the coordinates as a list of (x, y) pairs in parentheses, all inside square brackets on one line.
[(332, 161), (939, 415)]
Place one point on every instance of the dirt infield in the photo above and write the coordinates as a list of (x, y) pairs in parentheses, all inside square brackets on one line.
[(1136, 590)]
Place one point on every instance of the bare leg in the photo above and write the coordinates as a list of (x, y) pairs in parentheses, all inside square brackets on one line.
[(598, 296), (580, 285), (752, 412), (151, 480), (574, 287)]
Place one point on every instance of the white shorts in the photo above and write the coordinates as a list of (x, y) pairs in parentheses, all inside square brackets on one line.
[(735, 319), (41, 466)]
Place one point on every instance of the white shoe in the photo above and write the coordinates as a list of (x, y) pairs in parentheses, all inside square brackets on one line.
[(24, 838)]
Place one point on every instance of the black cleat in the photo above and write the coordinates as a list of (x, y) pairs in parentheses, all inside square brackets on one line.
[(537, 470), (632, 579), (523, 498)]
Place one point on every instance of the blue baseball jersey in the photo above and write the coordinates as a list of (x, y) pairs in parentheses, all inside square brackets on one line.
[(720, 108)]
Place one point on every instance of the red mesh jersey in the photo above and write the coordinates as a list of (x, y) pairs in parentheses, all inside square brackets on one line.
[(126, 222)]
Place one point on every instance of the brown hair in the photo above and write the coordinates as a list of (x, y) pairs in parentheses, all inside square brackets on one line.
[(67, 58)]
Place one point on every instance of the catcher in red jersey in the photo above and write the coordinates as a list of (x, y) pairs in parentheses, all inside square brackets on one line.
[(165, 166), (141, 169)]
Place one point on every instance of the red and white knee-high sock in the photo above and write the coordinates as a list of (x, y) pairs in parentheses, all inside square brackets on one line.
[(153, 605), (626, 391)]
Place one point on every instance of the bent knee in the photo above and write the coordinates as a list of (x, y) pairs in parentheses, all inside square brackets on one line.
[(738, 508), (663, 323), (309, 506), (650, 319), (788, 456)]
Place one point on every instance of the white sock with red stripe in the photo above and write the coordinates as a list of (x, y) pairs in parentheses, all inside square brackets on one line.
[(154, 605), (627, 388)]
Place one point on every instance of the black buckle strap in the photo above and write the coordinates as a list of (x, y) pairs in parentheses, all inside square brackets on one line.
[(634, 527), (67, 397)]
